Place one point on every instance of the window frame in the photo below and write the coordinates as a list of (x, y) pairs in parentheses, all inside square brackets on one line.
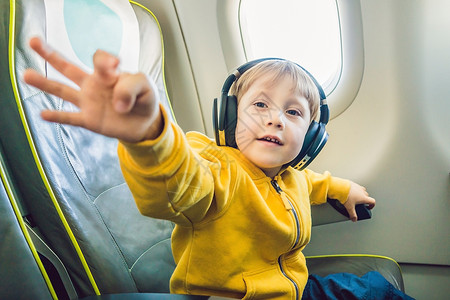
[(340, 96)]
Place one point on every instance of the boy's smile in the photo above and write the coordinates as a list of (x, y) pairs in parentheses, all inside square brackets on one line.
[(273, 118), (271, 139)]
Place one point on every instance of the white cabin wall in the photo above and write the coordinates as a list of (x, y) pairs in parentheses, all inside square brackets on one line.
[(395, 140), (383, 140), (180, 80), (195, 66), (198, 19)]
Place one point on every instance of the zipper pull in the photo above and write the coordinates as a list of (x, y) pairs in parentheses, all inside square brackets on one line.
[(282, 194)]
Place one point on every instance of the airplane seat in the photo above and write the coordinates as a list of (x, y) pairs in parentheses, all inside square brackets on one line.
[(69, 178), (359, 265), (76, 203)]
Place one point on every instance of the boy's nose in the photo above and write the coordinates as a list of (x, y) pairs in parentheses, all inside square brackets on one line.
[(275, 119)]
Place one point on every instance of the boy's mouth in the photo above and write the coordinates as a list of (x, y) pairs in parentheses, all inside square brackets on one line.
[(271, 139)]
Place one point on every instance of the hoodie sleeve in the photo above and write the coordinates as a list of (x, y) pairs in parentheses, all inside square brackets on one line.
[(168, 179), (323, 186)]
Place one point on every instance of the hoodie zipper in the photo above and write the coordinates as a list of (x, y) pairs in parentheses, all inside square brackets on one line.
[(289, 206)]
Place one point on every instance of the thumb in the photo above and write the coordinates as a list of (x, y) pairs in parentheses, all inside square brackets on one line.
[(128, 88), (352, 214)]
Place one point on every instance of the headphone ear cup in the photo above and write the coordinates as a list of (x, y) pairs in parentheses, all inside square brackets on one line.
[(314, 141), (225, 120), (319, 142), (309, 138), (230, 121)]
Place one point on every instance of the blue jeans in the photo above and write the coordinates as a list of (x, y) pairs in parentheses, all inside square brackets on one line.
[(348, 286)]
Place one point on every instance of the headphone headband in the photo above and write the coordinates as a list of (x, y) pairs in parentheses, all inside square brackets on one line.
[(225, 120)]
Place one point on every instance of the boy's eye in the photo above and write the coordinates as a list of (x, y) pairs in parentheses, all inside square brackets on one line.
[(260, 104), (293, 112)]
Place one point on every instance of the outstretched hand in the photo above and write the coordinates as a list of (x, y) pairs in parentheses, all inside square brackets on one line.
[(120, 105), (358, 195)]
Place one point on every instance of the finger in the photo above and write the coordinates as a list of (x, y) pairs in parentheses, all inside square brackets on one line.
[(352, 214), (69, 70), (105, 67), (371, 203), (63, 117), (127, 91), (53, 87)]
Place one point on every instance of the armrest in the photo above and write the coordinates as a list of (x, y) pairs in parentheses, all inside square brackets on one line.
[(333, 211)]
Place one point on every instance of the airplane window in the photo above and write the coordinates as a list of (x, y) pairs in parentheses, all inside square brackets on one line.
[(306, 32)]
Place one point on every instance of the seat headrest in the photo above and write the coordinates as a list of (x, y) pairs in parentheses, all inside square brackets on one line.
[(78, 28)]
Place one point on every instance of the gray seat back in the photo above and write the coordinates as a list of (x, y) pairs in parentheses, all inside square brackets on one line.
[(70, 178)]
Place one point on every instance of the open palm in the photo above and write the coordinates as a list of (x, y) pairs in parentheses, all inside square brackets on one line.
[(122, 106)]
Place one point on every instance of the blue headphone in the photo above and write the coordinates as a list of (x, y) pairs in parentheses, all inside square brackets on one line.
[(225, 119)]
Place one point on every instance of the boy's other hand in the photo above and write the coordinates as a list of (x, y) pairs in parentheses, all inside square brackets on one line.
[(358, 195), (119, 105)]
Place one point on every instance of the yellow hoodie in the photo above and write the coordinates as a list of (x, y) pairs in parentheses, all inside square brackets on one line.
[(238, 233)]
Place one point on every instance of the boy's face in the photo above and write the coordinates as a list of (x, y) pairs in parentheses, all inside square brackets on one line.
[(272, 123)]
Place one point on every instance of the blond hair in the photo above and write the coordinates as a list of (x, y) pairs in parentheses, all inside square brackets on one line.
[(280, 69)]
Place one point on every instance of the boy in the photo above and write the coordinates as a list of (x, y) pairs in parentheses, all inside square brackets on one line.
[(242, 216)]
